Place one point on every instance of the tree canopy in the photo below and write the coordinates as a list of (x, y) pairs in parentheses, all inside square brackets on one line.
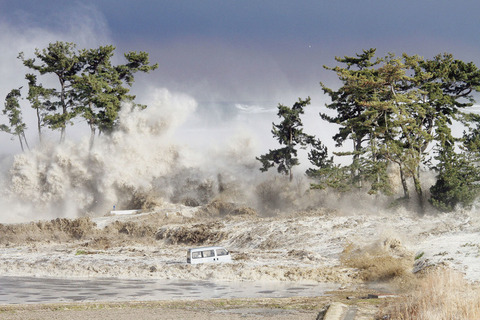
[(289, 133), (14, 113), (393, 109), (88, 85), (398, 113)]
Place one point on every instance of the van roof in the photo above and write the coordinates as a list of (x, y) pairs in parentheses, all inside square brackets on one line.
[(206, 248)]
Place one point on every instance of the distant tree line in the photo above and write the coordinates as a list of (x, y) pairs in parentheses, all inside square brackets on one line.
[(88, 85), (397, 112)]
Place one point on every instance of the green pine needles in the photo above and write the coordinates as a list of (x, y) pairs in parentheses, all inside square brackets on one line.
[(88, 86), (397, 113)]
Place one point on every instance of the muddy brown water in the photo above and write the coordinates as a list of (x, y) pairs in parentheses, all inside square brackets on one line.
[(26, 290)]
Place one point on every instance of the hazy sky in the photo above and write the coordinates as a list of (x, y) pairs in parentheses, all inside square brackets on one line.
[(261, 52)]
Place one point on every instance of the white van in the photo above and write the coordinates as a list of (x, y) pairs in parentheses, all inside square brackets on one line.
[(207, 255)]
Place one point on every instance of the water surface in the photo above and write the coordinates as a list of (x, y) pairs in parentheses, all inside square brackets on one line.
[(24, 290)]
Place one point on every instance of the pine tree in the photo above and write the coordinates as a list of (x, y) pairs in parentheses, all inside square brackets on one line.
[(458, 173), (358, 121), (289, 133), (393, 109), (13, 111), (88, 85), (39, 98), (59, 59)]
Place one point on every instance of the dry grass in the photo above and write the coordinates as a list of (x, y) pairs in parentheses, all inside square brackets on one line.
[(382, 261), (442, 294)]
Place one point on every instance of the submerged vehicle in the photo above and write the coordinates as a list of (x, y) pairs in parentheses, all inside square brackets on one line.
[(208, 255)]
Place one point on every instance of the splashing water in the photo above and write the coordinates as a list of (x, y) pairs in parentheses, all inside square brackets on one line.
[(68, 180)]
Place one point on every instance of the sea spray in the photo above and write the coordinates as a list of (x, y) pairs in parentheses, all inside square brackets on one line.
[(142, 159), (69, 180)]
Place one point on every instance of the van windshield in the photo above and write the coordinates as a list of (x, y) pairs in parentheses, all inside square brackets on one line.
[(222, 252)]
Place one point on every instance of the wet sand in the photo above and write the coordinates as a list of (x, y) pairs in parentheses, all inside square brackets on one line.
[(147, 313), (297, 308)]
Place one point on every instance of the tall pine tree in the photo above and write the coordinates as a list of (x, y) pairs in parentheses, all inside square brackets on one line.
[(289, 133)]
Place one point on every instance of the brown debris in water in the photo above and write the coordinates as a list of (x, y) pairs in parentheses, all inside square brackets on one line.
[(99, 243), (134, 229), (223, 208), (60, 229), (144, 201), (198, 234)]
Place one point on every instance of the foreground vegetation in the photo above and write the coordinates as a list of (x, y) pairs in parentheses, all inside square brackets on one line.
[(442, 294)]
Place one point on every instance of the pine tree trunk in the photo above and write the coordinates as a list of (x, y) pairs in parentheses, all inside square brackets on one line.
[(406, 193), (375, 157), (64, 110), (356, 156), (62, 135), (92, 136), (25, 139), (290, 142), (21, 143), (39, 126), (419, 191)]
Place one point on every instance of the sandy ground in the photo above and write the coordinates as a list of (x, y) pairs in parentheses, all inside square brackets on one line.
[(285, 308), (203, 310), (158, 313)]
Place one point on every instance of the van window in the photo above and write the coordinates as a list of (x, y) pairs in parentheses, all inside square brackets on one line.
[(208, 253), (222, 252), (196, 254)]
